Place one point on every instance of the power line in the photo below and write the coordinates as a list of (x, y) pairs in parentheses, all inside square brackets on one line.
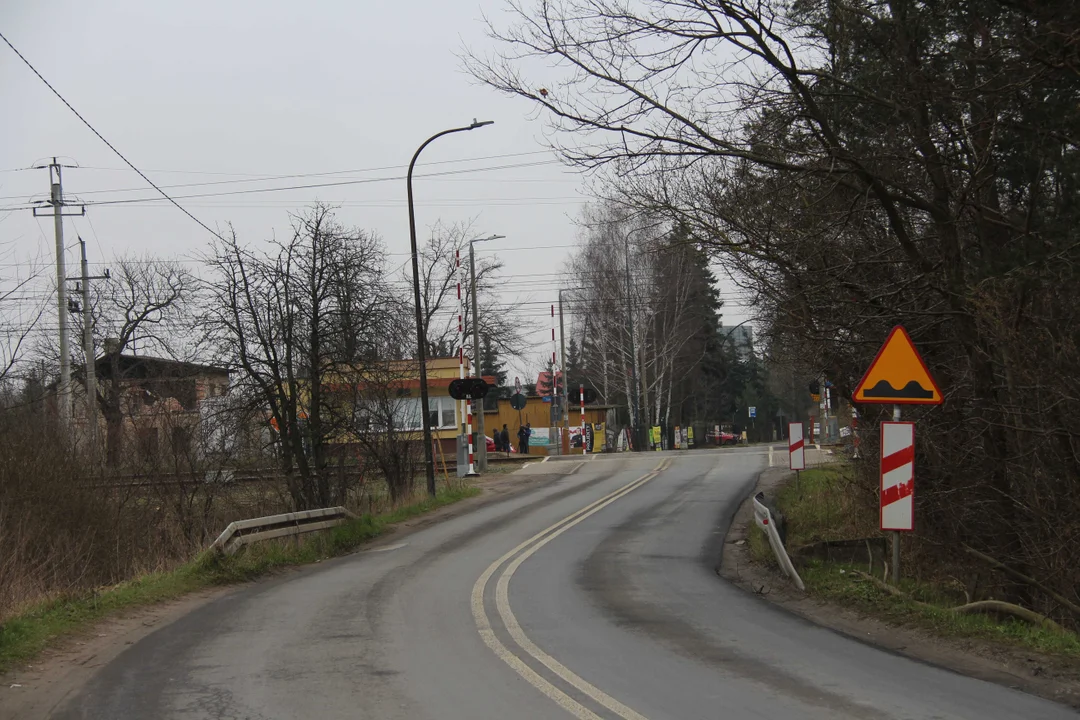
[(326, 173), (311, 186), (107, 143)]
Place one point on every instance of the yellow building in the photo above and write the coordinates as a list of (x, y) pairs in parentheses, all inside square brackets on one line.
[(537, 413), (444, 412)]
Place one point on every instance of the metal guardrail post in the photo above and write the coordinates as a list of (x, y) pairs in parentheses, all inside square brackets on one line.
[(764, 520)]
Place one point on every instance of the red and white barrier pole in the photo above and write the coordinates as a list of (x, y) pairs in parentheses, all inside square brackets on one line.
[(554, 373), (460, 330), (472, 468), (581, 393)]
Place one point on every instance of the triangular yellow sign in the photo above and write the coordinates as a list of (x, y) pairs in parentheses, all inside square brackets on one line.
[(898, 375)]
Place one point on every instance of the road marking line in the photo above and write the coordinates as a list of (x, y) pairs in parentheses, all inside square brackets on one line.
[(483, 622)]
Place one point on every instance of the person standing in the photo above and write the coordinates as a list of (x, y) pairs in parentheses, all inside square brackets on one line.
[(504, 439), (523, 440)]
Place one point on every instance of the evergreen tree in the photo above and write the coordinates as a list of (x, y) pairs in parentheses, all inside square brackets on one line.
[(574, 370), (490, 363)]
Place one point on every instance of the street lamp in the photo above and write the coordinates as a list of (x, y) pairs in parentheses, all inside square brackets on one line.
[(481, 444), (421, 336)]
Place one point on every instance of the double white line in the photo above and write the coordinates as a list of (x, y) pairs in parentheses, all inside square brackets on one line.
[(502, 605)]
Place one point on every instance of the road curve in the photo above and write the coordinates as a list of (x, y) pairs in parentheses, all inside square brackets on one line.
[(592, 596)]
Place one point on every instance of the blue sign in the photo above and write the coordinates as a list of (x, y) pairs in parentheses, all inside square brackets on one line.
[(753, 411)]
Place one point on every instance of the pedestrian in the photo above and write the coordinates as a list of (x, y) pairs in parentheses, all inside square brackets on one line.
[(504, 439), (523, 440)]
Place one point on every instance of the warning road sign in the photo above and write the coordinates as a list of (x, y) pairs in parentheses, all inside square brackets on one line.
[(898, 375)]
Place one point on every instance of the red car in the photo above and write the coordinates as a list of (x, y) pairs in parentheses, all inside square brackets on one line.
[(491, 445), (724, 438)]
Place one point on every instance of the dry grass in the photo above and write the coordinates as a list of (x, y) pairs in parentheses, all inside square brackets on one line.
[(823, 507), (25, 633)]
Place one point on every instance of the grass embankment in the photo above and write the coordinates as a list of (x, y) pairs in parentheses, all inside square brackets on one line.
[(821, 508), (28, 633)]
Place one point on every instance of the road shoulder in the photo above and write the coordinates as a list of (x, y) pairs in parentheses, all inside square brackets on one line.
[(37, 688), (1042, 675)]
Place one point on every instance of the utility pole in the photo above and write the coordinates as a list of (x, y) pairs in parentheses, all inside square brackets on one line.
[(566, 379), (634, 387), (481, 445), (91, 357), (56, 201)]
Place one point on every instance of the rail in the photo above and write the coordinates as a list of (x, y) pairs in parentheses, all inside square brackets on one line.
[(244, 532), (765, 521)]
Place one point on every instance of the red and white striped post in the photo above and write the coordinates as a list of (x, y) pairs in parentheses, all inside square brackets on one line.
[(466, 407), (554, 394), (897, 482), (796, 449), (581, 394), (468, 429)]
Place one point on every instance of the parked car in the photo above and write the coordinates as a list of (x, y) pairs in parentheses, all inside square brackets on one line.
[(491, 445)]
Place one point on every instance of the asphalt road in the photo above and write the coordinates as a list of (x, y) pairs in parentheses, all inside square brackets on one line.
[(593, 596)]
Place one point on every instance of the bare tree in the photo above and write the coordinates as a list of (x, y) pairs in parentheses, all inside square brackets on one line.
[(439, 277), (20, 311), (144, 306), (379, 411), (862, 164), (291, 321), (636, 294)]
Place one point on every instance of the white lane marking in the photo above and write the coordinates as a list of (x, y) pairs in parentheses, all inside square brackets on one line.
[(483, 623)]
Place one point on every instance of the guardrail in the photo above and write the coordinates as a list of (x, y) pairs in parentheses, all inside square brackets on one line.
[(244, 532), (814, 456), (765, 521)]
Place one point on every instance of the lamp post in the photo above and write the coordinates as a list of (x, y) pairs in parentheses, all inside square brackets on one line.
[(421, 336), (481, 447)]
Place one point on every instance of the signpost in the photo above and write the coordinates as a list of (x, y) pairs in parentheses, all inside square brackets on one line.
[(517, 401), (897, 376)]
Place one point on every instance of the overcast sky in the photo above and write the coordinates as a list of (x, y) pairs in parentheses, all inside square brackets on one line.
[(224, 92)]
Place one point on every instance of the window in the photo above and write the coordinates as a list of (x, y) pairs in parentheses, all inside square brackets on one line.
[(449, 417), (441, 413)]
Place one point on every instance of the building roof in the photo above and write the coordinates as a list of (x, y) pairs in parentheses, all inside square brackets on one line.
[(543, 381), (146, 367)]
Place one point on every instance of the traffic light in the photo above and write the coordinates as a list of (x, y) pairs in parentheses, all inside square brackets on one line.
[(815, 387), (468, 388)]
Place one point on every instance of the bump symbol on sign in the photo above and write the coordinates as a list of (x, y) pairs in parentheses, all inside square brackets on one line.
[(898, 375)]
